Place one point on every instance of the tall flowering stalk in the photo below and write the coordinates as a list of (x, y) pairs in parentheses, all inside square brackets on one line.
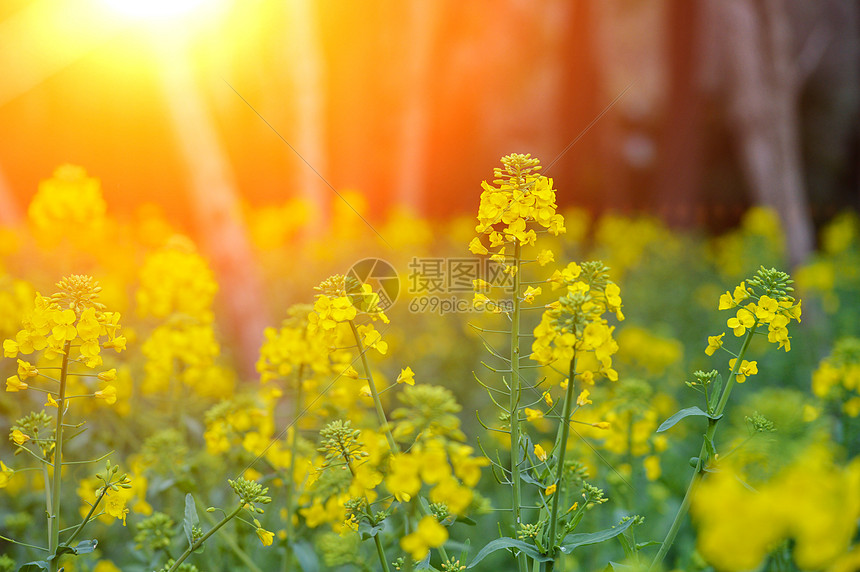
[(73, 327), (510, 214), (570, 328), (415, 453), (762, 300), (340, 301), (293, 356)]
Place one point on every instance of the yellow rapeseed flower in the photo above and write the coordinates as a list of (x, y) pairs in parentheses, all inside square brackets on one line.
[(266, 537), (429, 534)]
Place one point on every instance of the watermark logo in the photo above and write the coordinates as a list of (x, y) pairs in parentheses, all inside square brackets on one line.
[(438, 285), (381, 276)]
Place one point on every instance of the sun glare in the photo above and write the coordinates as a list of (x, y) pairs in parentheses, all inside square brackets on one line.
[(155, 9)]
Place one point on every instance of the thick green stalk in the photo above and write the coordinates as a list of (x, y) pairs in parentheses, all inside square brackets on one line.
[(516, 492), (709, 437), (565, 433), (54, 509), (380, 412), (381, 553), (288, 481), (237, 550), (199, 542)]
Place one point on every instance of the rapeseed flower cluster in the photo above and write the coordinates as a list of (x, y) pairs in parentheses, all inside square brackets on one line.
[(288, 349), (66, 203), (178, 288), (574, 324), (837, 378), (71, 323), (761, 300), (521, 201), (813, 501)]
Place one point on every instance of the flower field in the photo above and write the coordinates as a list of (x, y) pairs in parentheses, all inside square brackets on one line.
[(525, 388)]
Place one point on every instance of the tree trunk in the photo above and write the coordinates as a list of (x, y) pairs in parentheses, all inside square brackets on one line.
[(305, 71), (10, 214), (762, 84), (679, 172), (410, 186), (216, 208)]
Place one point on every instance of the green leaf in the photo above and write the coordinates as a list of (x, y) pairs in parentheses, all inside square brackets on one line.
[(366, 531), (465, 551), (191, 518), (714, 397), (466, 520), (306, 556), (573, 541), (424, 564), (530, 480), (641, 545), (34, 566), (688, 412), (83, 547), (625, 544), (617, 566), (507, 542)]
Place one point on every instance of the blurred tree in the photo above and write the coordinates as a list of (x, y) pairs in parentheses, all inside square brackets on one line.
[(830, 102), (10, 214), (215, 205), (680, 163), (423, 19), (305, 69), (762, 83)]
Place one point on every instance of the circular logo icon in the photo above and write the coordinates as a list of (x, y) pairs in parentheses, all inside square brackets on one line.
[(381, 276)]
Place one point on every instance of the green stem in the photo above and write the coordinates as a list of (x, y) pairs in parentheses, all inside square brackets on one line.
[(48, 505), (381, 553), (199, 542), (383, 422), (237, 550), (380, 412), (288, 481), (516, 493), (54, 508), (33, 546), (698, 472), (89, 515), (565, 433)]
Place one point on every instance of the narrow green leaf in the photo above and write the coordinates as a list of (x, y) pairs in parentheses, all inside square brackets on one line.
[(714, 397), (466, 520), (191, 518), (617, 566), (688, 412), (625, 544), (507, 542), (424, 564), (34, 566), (573, 541)]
